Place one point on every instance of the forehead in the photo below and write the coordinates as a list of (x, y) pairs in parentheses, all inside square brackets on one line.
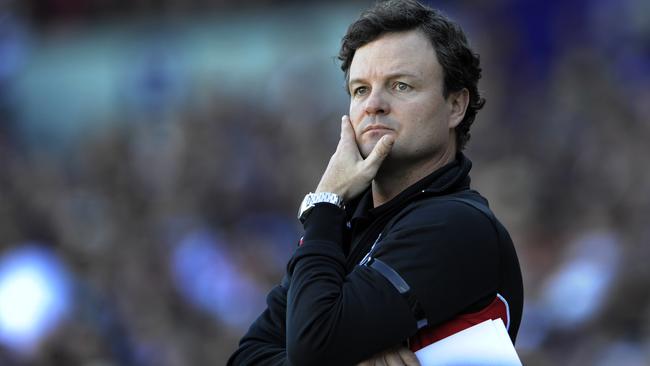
[(394, 53)]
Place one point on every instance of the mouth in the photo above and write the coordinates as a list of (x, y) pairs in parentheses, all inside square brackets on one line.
[(376, 128)]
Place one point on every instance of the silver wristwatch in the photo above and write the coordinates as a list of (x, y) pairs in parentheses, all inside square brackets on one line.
[(311, 199)]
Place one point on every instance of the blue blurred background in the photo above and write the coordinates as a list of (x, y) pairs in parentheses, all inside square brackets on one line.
[(153, 155)]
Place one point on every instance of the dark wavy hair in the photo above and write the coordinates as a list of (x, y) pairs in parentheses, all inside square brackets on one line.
[(461, 66)]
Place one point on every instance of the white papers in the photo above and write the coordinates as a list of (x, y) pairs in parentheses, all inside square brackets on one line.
[(486, 343)]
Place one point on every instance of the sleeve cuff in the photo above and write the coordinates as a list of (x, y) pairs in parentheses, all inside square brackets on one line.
[(324, 223)]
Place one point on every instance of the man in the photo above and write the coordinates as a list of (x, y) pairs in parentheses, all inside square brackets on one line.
[(397, 251)]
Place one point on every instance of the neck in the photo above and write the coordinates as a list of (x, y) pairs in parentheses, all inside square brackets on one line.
[(392, 179)]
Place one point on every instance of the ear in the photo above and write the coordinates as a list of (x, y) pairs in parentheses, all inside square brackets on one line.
[(457, 102)]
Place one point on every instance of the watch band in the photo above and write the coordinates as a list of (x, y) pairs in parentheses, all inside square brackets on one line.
[(311, 199)]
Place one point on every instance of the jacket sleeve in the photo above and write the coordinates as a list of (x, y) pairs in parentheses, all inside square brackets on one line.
[(335, 318), (265, 341), (445, 254)]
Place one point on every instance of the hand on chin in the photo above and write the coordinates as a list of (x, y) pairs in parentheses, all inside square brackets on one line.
[(368, 141)]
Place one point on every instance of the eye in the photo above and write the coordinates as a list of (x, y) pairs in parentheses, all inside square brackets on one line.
[(400, 86), (360, 91)]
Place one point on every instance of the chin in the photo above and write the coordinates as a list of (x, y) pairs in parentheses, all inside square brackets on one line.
[(365, 149)]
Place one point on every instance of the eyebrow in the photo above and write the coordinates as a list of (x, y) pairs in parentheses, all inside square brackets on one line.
[(390, 76)]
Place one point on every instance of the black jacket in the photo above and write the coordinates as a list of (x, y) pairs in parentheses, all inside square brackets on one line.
[(438, 252)]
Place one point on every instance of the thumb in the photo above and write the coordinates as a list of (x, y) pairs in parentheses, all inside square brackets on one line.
[(380, 152)]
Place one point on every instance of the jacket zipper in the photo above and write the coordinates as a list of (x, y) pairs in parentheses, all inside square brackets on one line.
[(368, 256), (359, 247)]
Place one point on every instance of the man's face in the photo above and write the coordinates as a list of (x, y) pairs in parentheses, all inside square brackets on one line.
[(396, 88)]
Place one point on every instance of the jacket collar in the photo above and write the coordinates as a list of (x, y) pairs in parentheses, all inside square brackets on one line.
[(451, 177)]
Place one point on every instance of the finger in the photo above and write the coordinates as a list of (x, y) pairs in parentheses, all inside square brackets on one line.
[(380, 152), (347, 131), (409, 358), (379, 360), (393, 358)]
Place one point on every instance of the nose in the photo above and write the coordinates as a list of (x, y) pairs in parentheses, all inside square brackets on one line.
[(376, 103)]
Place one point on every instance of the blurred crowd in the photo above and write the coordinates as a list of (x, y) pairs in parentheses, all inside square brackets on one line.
[(153, 155)]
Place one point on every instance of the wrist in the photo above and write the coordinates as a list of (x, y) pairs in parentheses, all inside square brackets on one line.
[(325, 188), (312, 199)]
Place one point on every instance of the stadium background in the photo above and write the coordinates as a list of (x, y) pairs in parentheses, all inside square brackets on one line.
[(153, 154)]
